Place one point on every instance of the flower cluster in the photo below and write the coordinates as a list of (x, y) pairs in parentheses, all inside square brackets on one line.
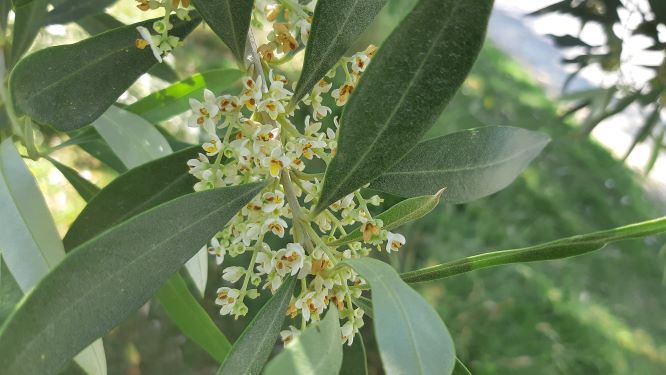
[(290, 20), (161, 43), (251, 137)]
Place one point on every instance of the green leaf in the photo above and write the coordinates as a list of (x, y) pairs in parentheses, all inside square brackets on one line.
[(401, 213), (650, 122), (137, 142), (317, 350), (9, 290), (65, 11), (405, 88), (29, 18), (173, 100), (460, 368), (85, 188), (28, 237), (29, 240), (186, 312), (252, 349), (134, 140), (229, 19), (132, 193), (470, 164), (558, 249), (354, 361), (99, 23), (98, 148), (107, 278), (335, 26), (70, 86), (411, 337)]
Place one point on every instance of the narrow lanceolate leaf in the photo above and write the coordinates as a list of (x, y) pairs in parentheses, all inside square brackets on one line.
[(134, 192), (28, 237), (85, 188), (29, 18), (93, 144), (107, 278), (229, 19), (470, 164), (335, 26), (134, 140), (252, 349), (65, 11), (354, 361), (186, 312), (411, 337), (173, 100), (317, 350), (408, 210), (411, 79), (461, 369), (558, 249), (29, 240), (70, 86)]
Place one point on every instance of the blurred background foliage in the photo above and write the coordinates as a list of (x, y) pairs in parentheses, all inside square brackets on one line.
[(632, 57), (597, 314)]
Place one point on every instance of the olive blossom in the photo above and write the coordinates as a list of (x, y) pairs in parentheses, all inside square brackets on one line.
[(252, 136)]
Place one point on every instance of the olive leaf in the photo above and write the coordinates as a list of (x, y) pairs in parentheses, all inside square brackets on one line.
[(230, 20), (335, 26), (470, 164), (105, 279), (191, 318), (134, 140), (252, 349), (316, 350), (409, 82), (558, 249), (136, 191), (70, 86), (131, 193), (29, 18), (29, 240), (411, 337), (401, 213)]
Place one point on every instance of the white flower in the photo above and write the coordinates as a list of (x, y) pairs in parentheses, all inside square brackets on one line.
[(264, 262), (341, 95), (147, 37), (289, 260), (252, 92), (360, 61), (272, 106), (227, 298), (276, 162), (233, 274), (276, 225), (347, 331), (213, 147), (288, 335), (203, 113), (217, 249), (311, 303), (273, 281), (394, 241), (272, 201)]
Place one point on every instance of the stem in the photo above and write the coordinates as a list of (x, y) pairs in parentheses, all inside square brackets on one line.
[(558, 249)]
